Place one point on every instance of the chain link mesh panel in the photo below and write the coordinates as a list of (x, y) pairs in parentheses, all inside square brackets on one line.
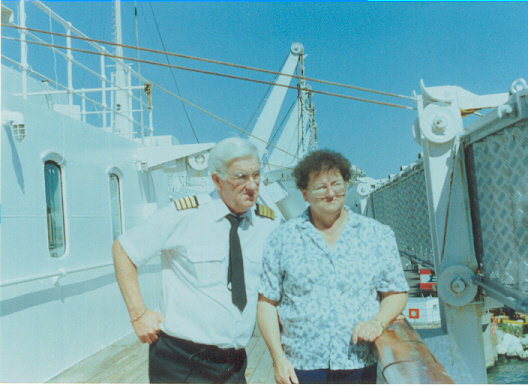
[(403, 206), (501, 170)]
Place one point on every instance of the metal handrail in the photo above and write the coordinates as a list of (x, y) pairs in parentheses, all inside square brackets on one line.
[(60, 273), (73, 61), (417, 259), (69, 90), (78, 93), (67, 25), (514, 299), (405, 359)]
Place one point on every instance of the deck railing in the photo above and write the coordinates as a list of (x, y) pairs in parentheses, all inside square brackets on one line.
[(119, 104), (464, 204), (405, 359)]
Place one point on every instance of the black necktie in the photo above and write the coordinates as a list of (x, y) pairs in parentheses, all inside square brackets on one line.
[(235, 272)]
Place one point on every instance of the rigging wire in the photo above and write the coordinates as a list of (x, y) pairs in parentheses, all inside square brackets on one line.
[(263, 97), (289, 110), (283, 120), (219, 74), (277, 166), (200, 71), (172, 71), (138, 64), (165, 90), (224, 121), (222, 63), (257, 108)]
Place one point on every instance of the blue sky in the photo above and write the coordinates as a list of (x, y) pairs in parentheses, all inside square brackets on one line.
[(385, 46)]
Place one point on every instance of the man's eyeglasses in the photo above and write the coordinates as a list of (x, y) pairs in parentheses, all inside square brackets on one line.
[(242, 178), (320, 191)]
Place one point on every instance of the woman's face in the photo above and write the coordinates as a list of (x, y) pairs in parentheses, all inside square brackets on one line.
[(325, 192)]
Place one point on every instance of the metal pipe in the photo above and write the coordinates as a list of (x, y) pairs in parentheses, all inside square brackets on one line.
[(66, 24), (130, 95), (74, 91), (60, 273), (69, 58), (405, 359), (83, 113), (23, 48), (103, 89), (501, 294), (421, 261)]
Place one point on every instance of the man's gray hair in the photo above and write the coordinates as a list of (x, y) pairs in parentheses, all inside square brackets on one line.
[(226, 151)]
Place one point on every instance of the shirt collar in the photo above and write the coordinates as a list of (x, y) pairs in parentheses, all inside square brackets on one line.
[(352, 220), (221, 210)]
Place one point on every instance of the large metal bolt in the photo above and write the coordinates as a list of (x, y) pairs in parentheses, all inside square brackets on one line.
[(458, 285), (440, 122)]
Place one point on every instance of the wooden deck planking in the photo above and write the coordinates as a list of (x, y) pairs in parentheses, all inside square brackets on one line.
[(262, 369), (126, 370), (144, 379), (126, 362), (259, 362), (98, 362)]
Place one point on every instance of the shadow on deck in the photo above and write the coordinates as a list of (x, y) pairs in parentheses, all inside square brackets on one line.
[(126, 361)]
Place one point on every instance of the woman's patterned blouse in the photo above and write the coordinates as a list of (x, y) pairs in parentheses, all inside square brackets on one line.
[(323, 293)]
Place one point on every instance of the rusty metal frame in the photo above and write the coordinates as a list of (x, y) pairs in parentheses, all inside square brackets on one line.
[(405, 359)]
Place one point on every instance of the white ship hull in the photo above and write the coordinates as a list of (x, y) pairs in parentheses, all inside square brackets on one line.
[(59, 300), (51, 323)]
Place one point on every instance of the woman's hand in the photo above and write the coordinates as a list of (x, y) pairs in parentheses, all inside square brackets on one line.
[(366, 331), (284, 371)]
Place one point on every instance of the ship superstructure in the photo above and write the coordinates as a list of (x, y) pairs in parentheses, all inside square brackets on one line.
[(81, 165)]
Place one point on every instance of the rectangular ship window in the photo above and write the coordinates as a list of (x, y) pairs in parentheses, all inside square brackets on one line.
[(54, 209), (115, 204)]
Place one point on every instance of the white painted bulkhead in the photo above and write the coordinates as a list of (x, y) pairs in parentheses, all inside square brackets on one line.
[(52, 323)]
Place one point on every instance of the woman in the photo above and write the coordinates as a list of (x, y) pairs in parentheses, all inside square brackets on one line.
[(332, 281)]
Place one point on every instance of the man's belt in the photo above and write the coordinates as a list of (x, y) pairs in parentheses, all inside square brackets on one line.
[(206, 351)]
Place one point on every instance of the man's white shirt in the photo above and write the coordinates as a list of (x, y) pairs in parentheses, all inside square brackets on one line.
[(193, 244)]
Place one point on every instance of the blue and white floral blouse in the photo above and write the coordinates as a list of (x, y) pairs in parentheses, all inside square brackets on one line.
[(322, 294)]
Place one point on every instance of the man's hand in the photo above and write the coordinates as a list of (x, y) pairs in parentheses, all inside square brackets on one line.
[(284, 371), (147, 326)]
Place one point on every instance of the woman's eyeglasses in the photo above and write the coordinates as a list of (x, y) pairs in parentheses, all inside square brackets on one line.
[(320, 191)]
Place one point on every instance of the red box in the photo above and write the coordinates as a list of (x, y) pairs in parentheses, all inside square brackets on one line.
[(427, 280)]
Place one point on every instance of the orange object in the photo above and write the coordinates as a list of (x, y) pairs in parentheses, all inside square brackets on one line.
[(405, 359), (427, 280), (414, 313)]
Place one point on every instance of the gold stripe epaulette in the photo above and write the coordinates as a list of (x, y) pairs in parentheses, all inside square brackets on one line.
[(186, 203), (264, 211)]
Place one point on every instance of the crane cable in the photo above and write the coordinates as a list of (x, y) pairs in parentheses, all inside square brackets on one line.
[(224, 121), (172, 72), (217, 74), (230, 65)]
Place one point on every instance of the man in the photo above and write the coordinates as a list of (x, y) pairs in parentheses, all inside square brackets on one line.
[(211, 258)]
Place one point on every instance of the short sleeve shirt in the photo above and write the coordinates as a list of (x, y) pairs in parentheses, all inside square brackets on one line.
[(194, 248), (323, 293)]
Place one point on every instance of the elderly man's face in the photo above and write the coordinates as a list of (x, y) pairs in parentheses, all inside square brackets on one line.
[(239, 190)]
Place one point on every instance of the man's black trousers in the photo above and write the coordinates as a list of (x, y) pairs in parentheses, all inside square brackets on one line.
[(173, 360)]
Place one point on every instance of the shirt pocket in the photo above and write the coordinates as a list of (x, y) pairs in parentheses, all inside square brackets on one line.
[(207, 265), (252, 266)]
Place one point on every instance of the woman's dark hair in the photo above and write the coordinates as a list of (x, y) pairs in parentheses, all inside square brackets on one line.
[(321, 161)]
